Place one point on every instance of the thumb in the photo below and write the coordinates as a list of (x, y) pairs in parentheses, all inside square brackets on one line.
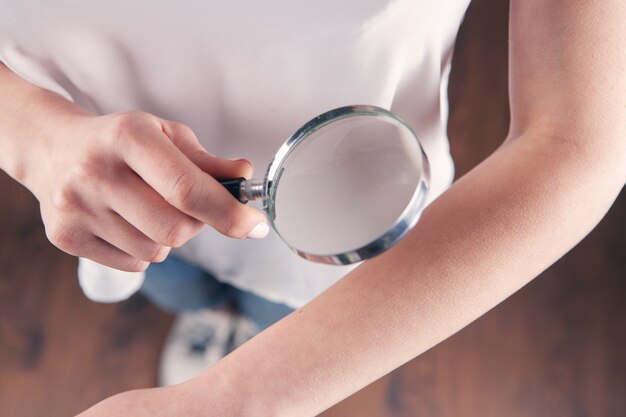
[(185, 139)]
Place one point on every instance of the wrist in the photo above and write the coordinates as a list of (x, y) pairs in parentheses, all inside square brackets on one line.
[(28, 123), (220, 391), (51, 129)]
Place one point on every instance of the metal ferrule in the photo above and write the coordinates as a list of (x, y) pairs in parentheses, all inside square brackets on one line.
[(251, 189)]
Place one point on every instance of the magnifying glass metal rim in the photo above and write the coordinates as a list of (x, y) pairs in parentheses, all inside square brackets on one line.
[(403, 224)]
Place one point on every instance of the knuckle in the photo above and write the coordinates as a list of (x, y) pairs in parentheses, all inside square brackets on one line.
[(128, 120), (91, 168), (88, 171), (185, 130), (183, 192), (121, 125), (163, 253), (66, 199), (157, 253), (126, 127), (232, 224), (182, 230), (134, 265), (67, 239)]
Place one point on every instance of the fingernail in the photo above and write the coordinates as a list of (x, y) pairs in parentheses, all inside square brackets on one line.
[(259, 231), (246, 175)]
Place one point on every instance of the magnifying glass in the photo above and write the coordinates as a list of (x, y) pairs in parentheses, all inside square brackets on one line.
[(345, 187)]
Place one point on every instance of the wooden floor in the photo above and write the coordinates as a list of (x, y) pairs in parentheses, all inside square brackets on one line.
[(556, 348)]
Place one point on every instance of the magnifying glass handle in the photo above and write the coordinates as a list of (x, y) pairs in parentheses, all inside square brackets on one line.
[(233, 186), (242, 189)]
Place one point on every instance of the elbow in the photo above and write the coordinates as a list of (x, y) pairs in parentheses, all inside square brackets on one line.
[(598, 147)]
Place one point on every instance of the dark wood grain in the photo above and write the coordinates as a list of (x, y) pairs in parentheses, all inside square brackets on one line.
[(60, 353), (556, 348)]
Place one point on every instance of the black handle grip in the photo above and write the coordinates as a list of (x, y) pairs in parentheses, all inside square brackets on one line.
[(233, 186)]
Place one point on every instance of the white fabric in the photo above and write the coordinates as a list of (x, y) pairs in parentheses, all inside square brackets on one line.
[(107, 285), (243, 74)]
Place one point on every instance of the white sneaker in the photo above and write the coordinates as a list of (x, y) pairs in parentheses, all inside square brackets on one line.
[(197, 340)]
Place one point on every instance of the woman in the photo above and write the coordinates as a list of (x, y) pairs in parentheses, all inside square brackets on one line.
[(556, 174)]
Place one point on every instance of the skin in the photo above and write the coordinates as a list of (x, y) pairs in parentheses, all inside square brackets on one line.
[(555, 176), (120, 189)]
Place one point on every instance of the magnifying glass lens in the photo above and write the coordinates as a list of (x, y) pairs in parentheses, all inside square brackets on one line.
[(346, 184)]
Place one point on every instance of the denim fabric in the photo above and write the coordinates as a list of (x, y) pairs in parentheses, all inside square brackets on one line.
[(176, 285)]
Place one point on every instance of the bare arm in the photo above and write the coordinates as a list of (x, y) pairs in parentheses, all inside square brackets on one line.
[(562, 166), (498, 227)]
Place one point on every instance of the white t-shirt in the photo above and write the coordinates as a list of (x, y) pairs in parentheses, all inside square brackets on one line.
[(243, 75)]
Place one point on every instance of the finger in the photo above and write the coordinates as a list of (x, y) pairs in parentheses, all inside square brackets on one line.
[(185, 139), (147, 211), (113, 229), (104, 253), (171, 174)]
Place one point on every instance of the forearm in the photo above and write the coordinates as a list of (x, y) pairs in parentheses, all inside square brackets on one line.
[(491, 233), (27, 113)]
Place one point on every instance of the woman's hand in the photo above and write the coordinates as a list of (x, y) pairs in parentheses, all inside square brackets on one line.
[(122, 189)]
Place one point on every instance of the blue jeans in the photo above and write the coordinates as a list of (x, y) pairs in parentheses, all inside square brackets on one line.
[(176, 286)]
